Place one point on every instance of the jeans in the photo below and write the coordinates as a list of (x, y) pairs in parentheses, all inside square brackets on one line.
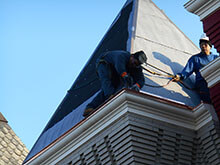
[(203, 90), (107, 87)]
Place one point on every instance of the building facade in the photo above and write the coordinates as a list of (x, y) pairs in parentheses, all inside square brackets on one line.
[(209, 13), (161, 124), (135, 128)]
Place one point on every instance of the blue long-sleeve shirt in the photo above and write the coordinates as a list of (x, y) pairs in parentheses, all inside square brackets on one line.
[(195, 63), (119, 60)]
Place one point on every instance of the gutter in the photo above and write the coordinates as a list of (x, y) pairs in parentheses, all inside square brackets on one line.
[(125, 101)]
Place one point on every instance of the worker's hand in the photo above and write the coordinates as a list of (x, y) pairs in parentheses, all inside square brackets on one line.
[(128, 81), (135, 87), (176, 78)]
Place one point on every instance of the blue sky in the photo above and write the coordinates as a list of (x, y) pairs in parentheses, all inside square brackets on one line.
[(44, 44)]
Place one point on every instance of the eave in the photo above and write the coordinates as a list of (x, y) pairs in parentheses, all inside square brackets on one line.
[(126, 101), (202, 8), (211, 72)]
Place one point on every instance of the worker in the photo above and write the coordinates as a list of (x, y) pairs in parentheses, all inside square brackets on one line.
[(194, 64), (117, 69)]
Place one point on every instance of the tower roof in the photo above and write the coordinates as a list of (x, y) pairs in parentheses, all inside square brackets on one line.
[(2, 118), (13, 150), (140, 25)]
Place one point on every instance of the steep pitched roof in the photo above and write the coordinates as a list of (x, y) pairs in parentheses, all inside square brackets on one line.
[(166, 47), (140, 25), (12, 150), (2, 118)]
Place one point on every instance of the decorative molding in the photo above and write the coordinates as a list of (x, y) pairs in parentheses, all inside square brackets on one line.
[(211, 72), (125, 102), (202, 8), (203, 114)]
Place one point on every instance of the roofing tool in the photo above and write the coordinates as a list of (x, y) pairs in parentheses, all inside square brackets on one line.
[(169, 75), (158, 74)]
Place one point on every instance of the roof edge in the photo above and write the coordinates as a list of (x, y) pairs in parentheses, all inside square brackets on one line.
[(2, 118), (211, 72), (177, 28), (126, 101), (202, 8)]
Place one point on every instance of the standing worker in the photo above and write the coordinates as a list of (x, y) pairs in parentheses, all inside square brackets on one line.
[(194, 64), (117, 69)]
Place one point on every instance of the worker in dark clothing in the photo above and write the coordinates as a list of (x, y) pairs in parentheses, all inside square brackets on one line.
[(117, 69), (194, 64)]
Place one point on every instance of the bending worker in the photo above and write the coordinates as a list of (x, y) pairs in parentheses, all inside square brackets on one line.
[(117, 69), (194, 64)]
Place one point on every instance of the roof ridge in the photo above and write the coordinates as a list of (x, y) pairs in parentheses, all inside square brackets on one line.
[(174, 23), (2, 118)]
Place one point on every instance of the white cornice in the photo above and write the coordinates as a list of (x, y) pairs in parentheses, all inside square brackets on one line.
[(125, 102), (202, 8), (203, 114), (211, 72)]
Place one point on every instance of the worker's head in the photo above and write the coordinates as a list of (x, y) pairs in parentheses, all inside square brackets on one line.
[(205, 45), (137, 59)]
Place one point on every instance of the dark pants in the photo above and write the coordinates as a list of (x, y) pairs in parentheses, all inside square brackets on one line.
[(203, 90), (108, 88)]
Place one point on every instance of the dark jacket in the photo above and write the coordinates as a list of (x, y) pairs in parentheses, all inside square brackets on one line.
[(118, 62), (195, 63)]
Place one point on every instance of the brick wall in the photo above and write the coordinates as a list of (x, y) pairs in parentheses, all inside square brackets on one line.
[(211, 26), (215, 96)]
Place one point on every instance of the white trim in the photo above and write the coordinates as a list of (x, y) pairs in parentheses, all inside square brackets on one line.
[(124, 102), (203, 114), (211, 72), (202, 8), (80, 134)]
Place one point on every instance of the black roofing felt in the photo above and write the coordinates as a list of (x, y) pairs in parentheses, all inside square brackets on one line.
[(70, 111), (87, 83)]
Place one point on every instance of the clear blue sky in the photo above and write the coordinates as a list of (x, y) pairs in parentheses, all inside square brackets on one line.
[(44, 44)]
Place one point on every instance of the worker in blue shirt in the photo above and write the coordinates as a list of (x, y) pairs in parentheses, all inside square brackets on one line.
[(194, 64), (117, 69)]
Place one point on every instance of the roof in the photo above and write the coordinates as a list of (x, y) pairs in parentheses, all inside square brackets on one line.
[(12, 149), (167, 48), (2, 118), (140, 25)]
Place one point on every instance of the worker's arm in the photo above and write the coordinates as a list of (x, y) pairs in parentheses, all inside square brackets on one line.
[(138, 79), (187, 70)]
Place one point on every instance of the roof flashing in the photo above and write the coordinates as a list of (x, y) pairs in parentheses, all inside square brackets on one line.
[(126, 101)]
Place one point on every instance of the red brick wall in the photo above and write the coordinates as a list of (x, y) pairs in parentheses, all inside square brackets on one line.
[(211, 26), (215, 96)]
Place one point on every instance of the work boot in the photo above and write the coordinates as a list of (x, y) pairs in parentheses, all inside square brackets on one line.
[(87, 112)]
